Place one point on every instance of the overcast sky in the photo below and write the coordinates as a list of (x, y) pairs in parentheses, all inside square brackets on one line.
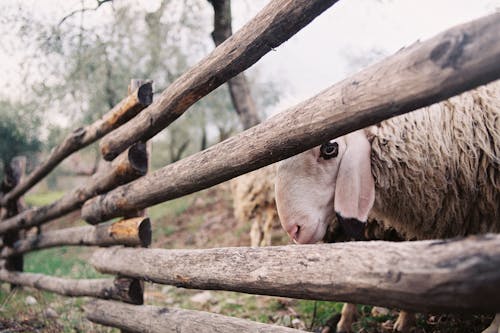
[(319, 55), (347, 36)]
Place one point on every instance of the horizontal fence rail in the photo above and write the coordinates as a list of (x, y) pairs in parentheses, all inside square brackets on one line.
[(82, 137), (130, 165), (122, 289), (454, 61), (442, 276), (130, 232), (276, 23), (154, 319)]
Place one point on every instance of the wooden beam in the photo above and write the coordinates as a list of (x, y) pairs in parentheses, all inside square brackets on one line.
[(456, 60), (122, 289), (276, 23), (459, 275), (129, 165), (129, 232), (154, 319), (82, 137)]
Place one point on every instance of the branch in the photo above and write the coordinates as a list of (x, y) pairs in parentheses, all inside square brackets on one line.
[(82, 10)]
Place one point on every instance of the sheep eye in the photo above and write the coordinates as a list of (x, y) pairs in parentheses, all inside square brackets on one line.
[(329, 150)]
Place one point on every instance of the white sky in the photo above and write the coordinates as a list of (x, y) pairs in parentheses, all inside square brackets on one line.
[(318, 55)]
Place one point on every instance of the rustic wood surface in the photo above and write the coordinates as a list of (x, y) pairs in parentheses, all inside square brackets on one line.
[(276, 23), (154, 319), (82, 137), (456, 60), (459, 275), (129, 232), (130, 165), (239, 89), (13, 175), (122, 289)]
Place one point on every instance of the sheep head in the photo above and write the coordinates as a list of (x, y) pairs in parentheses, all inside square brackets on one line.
[(334, 178)]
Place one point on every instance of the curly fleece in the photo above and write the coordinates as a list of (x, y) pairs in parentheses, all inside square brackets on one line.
[(437, 169)]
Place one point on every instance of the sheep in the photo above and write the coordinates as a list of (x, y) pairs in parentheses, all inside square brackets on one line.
[(254, 200), (432, 173)]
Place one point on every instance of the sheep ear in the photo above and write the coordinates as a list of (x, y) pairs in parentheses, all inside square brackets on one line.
[(355, 187)]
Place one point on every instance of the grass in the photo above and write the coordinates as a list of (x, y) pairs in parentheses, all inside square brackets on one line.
[(42, 198)]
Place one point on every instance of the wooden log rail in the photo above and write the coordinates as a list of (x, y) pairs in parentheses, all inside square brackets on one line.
[(129, 165), (129, 232), (459, 275), (454, 61), (122, 289), (82, 137), (276, 23), (154, 319)]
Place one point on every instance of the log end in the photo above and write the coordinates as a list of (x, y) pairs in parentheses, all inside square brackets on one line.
[(145, 93)]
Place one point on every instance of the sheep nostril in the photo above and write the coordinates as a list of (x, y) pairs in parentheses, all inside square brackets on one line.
[(294, 231)]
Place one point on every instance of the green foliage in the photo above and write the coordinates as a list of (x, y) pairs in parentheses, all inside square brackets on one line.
[(42, 198), (18, 131)]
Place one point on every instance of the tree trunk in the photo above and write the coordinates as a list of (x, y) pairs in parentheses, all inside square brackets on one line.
[(420, 75), (239, 88), (277, 22), (153, 319), (459, 275)]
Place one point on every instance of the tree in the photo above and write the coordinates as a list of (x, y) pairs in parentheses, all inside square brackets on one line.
[(18, 132)]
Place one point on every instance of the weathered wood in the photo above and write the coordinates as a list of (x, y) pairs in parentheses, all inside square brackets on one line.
[(459, 275), (122, 289), (14, 173), (239, 88), (130, 232), (154, 319), (452, 62), (128, 166), (277, 22), (82, 137)]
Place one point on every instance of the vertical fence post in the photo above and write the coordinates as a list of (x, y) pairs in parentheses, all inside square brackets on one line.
[(134, 84), (14, 172)]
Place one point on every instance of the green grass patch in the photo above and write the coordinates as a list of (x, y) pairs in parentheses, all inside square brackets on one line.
[(63, 261), (43, 198), (170, 208), (324, 310)]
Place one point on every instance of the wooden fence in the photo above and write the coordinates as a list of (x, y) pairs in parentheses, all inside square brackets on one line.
[(419, 276)]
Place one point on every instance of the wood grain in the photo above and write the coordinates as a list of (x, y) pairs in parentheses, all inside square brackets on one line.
[(459, 275), (456, 60), (82, 137), (129, 232), (154, 319), (128, 166), (122, 289), (276, 23)]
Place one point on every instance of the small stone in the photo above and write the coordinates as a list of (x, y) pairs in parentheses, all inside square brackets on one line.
[(298, 324), (378, 311), (51, 313), (202, 298), (30, 300)]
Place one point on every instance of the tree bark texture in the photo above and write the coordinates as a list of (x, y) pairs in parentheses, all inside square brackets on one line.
[(130, 232), (129, 165), (239, 88), (82, 137), (277, 22), (154, 319), (459, 275), (14, 173), (456, 60), (122, 289)]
